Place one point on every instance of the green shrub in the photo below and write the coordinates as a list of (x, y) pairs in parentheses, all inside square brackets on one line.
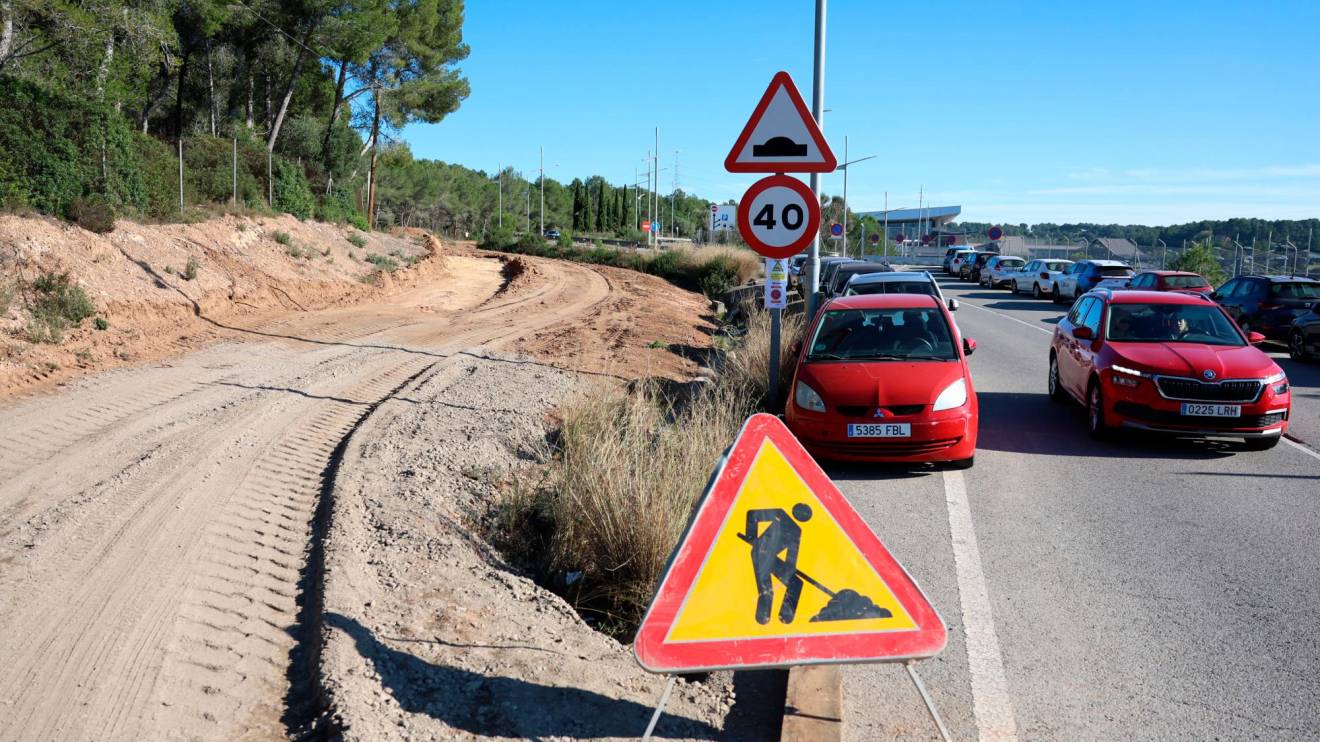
[(59, 303), (292, 192), (338, 207), (668, 264), (531, 244), (380, 261), (190, 270), (282, 238), (101, 323), (357, 240), (93, 213), (716, 276), (565, 239), (295, 251)]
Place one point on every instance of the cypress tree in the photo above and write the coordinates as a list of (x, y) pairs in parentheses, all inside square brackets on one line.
[(600, 206)]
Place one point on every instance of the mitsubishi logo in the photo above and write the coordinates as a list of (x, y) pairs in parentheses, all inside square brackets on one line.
[(1208, 374), (880, 413)]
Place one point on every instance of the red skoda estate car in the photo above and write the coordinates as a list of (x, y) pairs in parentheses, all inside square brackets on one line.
[(1191, 283), (883, 377), (1167, 361)]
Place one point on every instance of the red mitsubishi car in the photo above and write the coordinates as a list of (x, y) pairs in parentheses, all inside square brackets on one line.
[(883, 377), (1170, 362)]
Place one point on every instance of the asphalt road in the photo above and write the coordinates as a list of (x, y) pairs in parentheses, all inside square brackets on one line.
[(1141, 589)]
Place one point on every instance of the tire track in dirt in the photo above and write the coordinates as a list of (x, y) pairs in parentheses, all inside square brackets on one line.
[(154, 522)]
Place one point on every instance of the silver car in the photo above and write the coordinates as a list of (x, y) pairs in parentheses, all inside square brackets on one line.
[(996, 270), (897, 282)]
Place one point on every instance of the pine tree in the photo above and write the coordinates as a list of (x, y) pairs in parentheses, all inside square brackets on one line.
[(600, 206)]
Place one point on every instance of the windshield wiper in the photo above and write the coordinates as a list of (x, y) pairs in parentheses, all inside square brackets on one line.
[(826, 356)]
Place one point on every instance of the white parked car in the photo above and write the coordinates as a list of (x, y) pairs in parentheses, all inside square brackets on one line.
[(996, 270), (1039, 276)]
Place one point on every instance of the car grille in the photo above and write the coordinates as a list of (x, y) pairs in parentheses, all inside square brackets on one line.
[(886, 447), (1165, 417), (857, 410), (1215, 391)]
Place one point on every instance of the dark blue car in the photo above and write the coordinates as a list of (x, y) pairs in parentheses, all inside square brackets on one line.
[(1268, 304)]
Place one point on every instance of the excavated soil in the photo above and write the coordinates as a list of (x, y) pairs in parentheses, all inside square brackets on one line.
[(162, 522)]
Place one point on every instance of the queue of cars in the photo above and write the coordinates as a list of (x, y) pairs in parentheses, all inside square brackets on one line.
[(1163, 350)]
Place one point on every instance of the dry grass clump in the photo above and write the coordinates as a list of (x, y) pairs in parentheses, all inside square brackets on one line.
[(746, 264), (630, 467)]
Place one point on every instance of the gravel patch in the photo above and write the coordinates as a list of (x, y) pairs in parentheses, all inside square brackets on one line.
[(428, 633)]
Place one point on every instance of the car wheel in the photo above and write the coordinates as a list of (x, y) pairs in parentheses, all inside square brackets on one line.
[(1035, 291), (963, 463), (1015, 287), (1057, 393), (1054, 294), (1262, 444), (1297, 346), (1095, 412)]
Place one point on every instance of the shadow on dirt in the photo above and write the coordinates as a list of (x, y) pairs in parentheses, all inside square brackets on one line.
[(498, 706)]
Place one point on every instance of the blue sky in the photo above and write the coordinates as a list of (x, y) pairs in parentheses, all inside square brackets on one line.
[(1150, 112)]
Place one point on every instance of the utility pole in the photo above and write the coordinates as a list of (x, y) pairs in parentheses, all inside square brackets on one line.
[(844, 167), (529, 208), (818, 113), (655, 192), (886, 237), (501, 178), (543, 190)]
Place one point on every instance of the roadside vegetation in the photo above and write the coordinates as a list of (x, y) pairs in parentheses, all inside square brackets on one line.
[(710, 270), (629, 465), (54, 304)]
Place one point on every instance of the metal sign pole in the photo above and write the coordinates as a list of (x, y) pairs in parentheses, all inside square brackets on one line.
[(664, 699), (930, 702), (775, 316)]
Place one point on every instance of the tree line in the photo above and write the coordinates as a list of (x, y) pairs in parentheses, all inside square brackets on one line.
[(1216, 231)]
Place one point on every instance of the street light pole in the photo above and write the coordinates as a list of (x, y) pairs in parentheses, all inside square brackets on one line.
[(501, 177), (817, 112), (543, 190), (844, 168)]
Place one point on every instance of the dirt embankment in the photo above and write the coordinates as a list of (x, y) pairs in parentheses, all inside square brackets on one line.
[(246, 270)]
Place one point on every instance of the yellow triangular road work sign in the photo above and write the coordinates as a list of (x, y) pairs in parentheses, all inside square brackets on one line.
[(777, 568)]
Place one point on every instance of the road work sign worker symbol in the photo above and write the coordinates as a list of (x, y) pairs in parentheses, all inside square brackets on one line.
[(778, 569)]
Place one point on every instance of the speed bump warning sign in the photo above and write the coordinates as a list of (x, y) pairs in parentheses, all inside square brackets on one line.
[(777, 569)]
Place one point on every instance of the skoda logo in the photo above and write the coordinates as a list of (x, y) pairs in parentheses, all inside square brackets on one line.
[(1208, 374)]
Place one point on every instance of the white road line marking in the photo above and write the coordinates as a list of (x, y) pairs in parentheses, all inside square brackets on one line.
[(1304, 449), (1005, 316), (991, 704)]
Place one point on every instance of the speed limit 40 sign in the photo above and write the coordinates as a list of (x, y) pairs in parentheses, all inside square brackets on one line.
[(778, 216)]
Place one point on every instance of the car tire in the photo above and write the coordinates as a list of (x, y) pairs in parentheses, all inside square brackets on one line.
[(1035, 291), (1297, 347), (1053, 385), (1054, 295), (1095, 412), (1261, 444), (962, 463), (1015, 287)]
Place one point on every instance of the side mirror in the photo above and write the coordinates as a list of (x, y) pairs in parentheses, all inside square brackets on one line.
[(1255, 338), (969, 346), (1081, 332), (953, 305), (1214, 295)]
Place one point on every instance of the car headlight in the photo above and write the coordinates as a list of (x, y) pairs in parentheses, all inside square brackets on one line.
[(954, 395), (1129, 371), (1124, 376), (807, 398), (1278, 383)]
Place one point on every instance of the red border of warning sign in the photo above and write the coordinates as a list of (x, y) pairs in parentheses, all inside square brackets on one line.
[(654, 654), (745, 217), (795, 166)]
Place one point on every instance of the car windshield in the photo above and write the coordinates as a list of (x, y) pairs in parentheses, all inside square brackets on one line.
[(1185, 282), (893, 287), (1295, 290), (898, 334), (1057, 265), (1115, 270), (1171, 323)]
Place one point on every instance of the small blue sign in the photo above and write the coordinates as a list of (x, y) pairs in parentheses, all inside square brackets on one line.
[(655, 227)]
